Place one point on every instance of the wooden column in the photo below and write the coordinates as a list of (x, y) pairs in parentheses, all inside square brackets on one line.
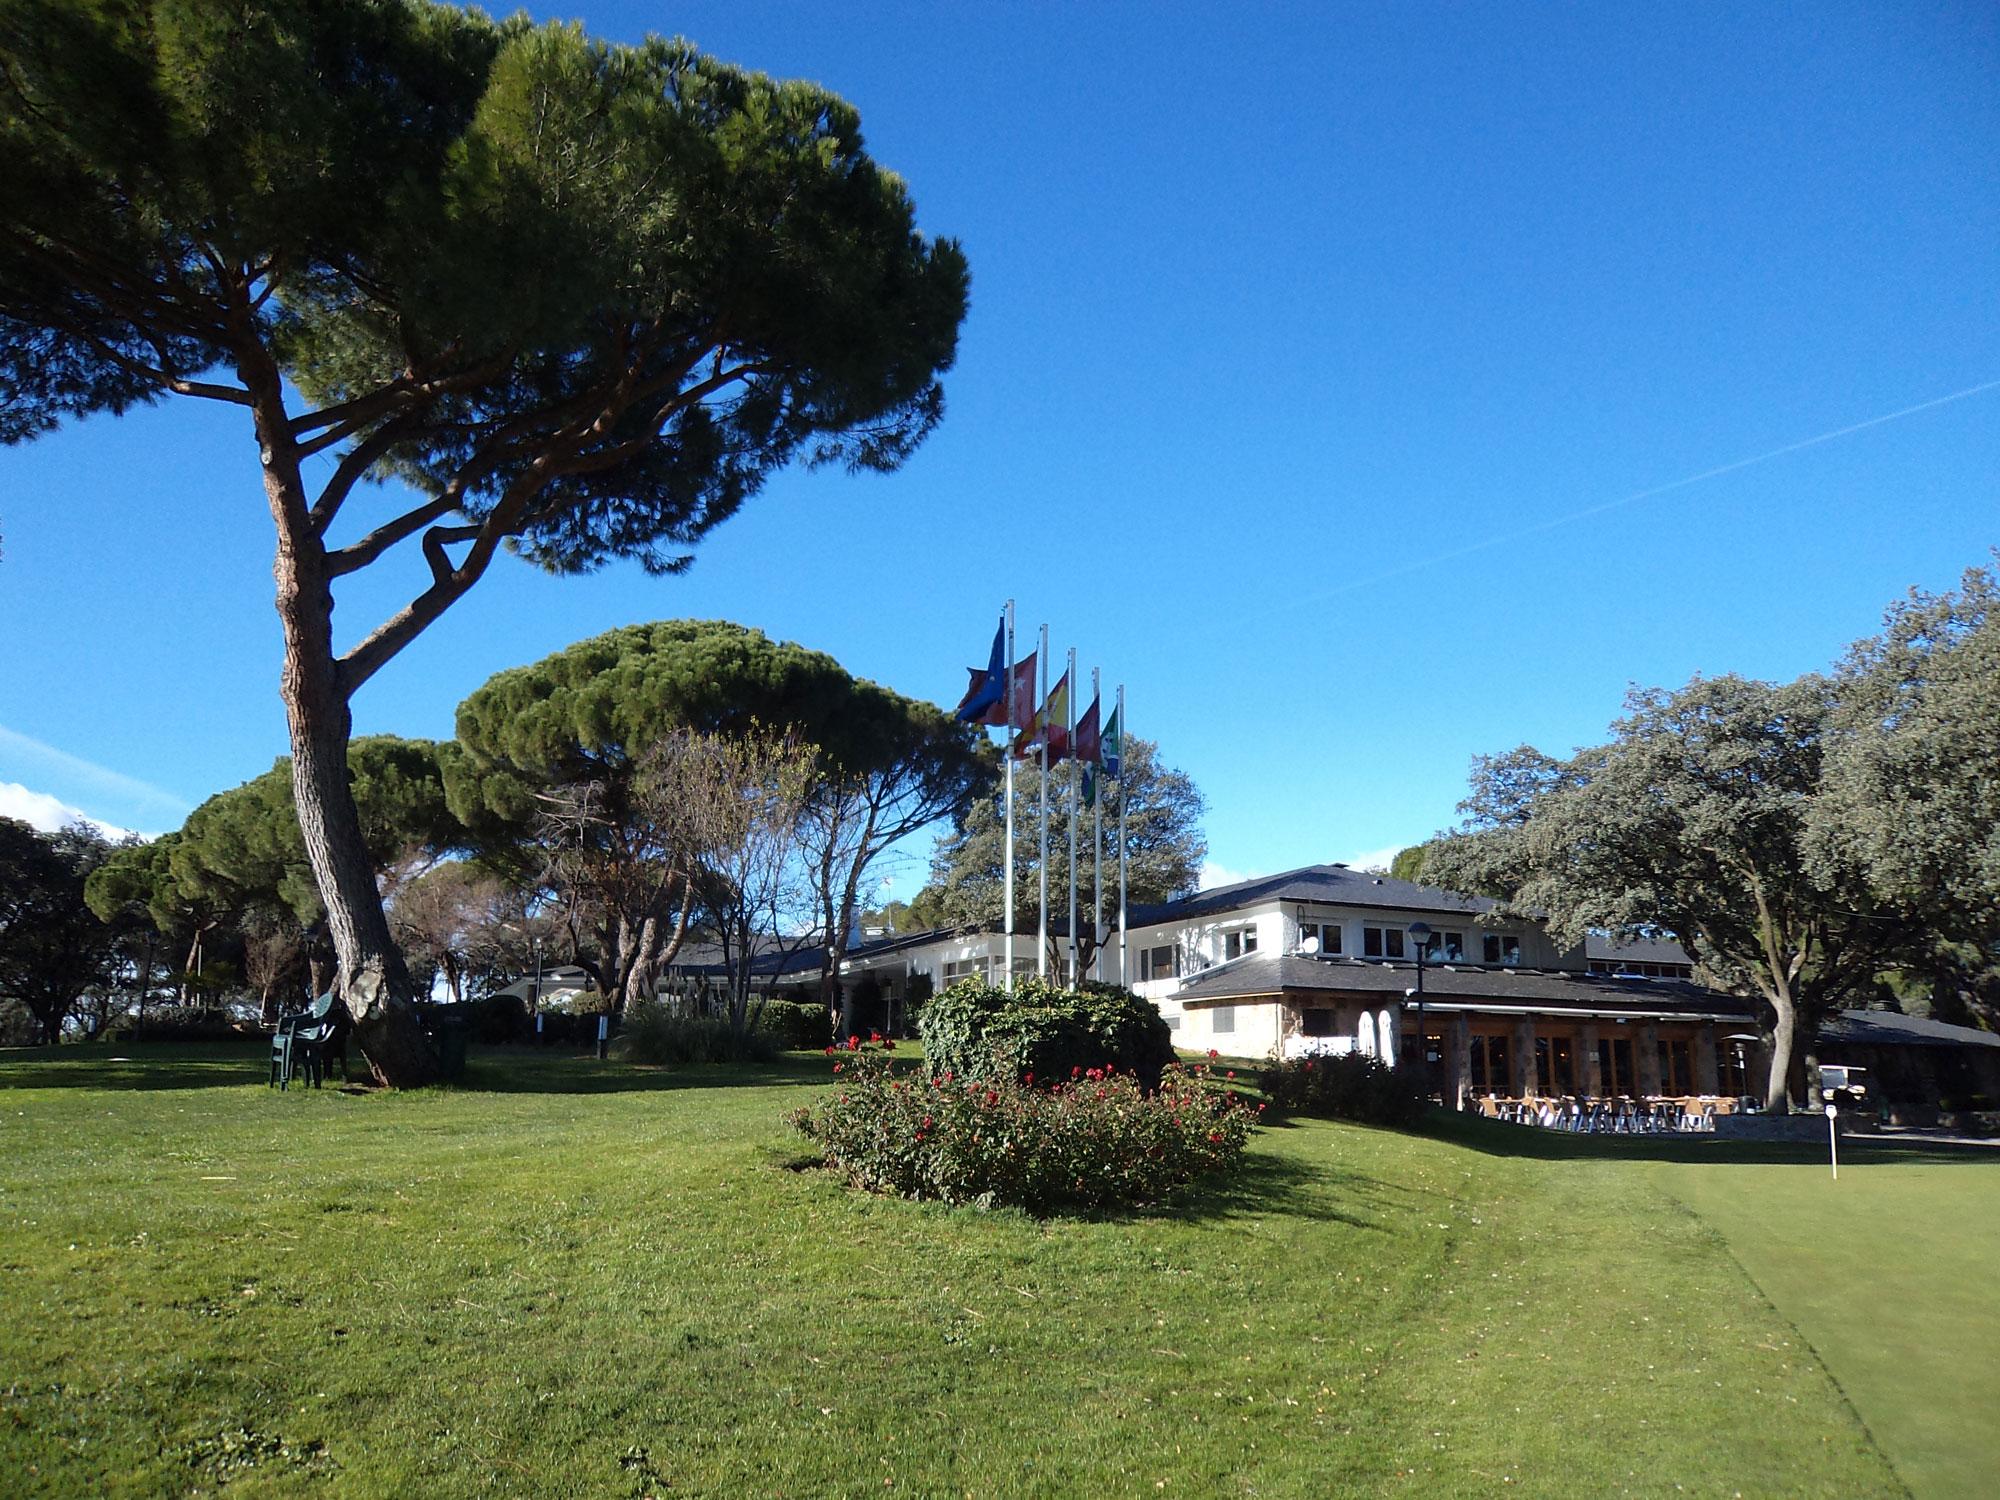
[(1647, 1063), (1458, 1061), (1589, 1072), (1524, 1056)]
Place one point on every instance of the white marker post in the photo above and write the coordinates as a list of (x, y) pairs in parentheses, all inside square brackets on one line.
[(1833, 1138)]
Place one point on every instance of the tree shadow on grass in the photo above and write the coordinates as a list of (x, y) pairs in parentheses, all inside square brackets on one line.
[(1260, 1185), (136, 1065), (490, 1070), (508, 1071), (1533, 1142)]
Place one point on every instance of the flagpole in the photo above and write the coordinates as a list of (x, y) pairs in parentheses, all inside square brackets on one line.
[(1124, 764), (1042, 863), (1097, 841), (1007, 752), (1070, 677)]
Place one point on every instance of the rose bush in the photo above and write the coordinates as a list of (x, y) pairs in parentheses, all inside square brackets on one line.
[(1096, 1139)]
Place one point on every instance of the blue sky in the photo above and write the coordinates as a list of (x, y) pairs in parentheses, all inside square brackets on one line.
[(1331, 380)]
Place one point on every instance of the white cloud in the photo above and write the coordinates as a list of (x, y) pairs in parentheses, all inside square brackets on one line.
[(1214, 874), (106, 781), (40, 810)]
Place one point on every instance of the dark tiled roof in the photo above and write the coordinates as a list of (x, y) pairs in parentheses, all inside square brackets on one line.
[(1635, 950), (1333, 884), (1888, 1028), (1298, 974)]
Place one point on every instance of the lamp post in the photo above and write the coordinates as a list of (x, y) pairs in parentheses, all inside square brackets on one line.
[(1420, 935)]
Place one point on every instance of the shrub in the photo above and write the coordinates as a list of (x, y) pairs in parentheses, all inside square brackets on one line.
[(977, 1030), (1352, 1086), (796, 1023), (178, 1023), (654, 1034), (490, 1021), (1095, 1141)]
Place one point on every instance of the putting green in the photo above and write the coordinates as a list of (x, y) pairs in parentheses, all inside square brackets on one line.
[(1890, 1274)]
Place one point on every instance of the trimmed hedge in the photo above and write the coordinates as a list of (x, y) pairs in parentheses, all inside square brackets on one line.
[(977, 1030), (655, 1034), (797, 1024), (1352, 1086)]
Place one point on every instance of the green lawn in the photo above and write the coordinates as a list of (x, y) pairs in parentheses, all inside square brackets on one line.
[(573, 1278)]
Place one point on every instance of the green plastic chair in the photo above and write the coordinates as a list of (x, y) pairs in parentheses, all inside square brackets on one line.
[(299, 1043)]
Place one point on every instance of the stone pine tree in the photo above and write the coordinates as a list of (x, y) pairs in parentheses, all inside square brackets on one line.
[(575, 299), (569, 734)]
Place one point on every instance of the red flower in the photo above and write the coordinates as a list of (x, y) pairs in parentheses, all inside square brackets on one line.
[(927, 1122), (1028, 1078), (888, 1046), (992, 1097), (1215, 1135), (854, 1044), (829, 1051), (838, 1066), (874, 1036), (1230, 1074), (1078, 1073), (1213, 1053)]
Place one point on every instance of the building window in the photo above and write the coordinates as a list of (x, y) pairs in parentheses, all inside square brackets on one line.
[(1502, 948), (1157, 963), (1449, 947), (965, 968), (1318, 1021), (1173, 1023), (1326, 934), (1614, 1067), (1238, 942), (1382, 942), (1488, 1065), (1222, 1020), (1676, 1066)]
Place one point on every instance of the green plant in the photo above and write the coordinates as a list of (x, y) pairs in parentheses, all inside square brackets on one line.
[(1096, 1139), (977, 1030), (178, 1023), (655, 1034), (1352, 1086), (795, 1023)]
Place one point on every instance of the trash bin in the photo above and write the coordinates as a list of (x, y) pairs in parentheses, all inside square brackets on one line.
[(450, 1039)]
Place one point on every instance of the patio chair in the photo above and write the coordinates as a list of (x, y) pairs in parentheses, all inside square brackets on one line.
[(299, 1043)]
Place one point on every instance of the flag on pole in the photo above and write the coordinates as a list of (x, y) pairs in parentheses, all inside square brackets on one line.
[(1089, 784), (1024, 698), (988, 688), (1089, 747), (1049, 724), (1111, 744)]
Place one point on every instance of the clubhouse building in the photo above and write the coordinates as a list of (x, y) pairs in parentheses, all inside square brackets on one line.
[(1325, 959)]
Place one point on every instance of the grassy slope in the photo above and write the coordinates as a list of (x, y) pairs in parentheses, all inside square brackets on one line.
[(533, 1288), (1891, 1274)]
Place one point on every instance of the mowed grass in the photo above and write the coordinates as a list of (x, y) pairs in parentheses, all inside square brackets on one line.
[(572, 1278), (1893, 1274)]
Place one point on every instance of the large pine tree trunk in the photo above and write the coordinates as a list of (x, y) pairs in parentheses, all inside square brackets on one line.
[(371, 976)]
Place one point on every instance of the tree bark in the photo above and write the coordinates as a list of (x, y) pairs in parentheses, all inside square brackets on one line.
[(371, 976), (1784, 1033)]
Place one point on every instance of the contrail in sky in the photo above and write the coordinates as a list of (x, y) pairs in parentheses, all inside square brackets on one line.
[(1513, 537), (102, 777)]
